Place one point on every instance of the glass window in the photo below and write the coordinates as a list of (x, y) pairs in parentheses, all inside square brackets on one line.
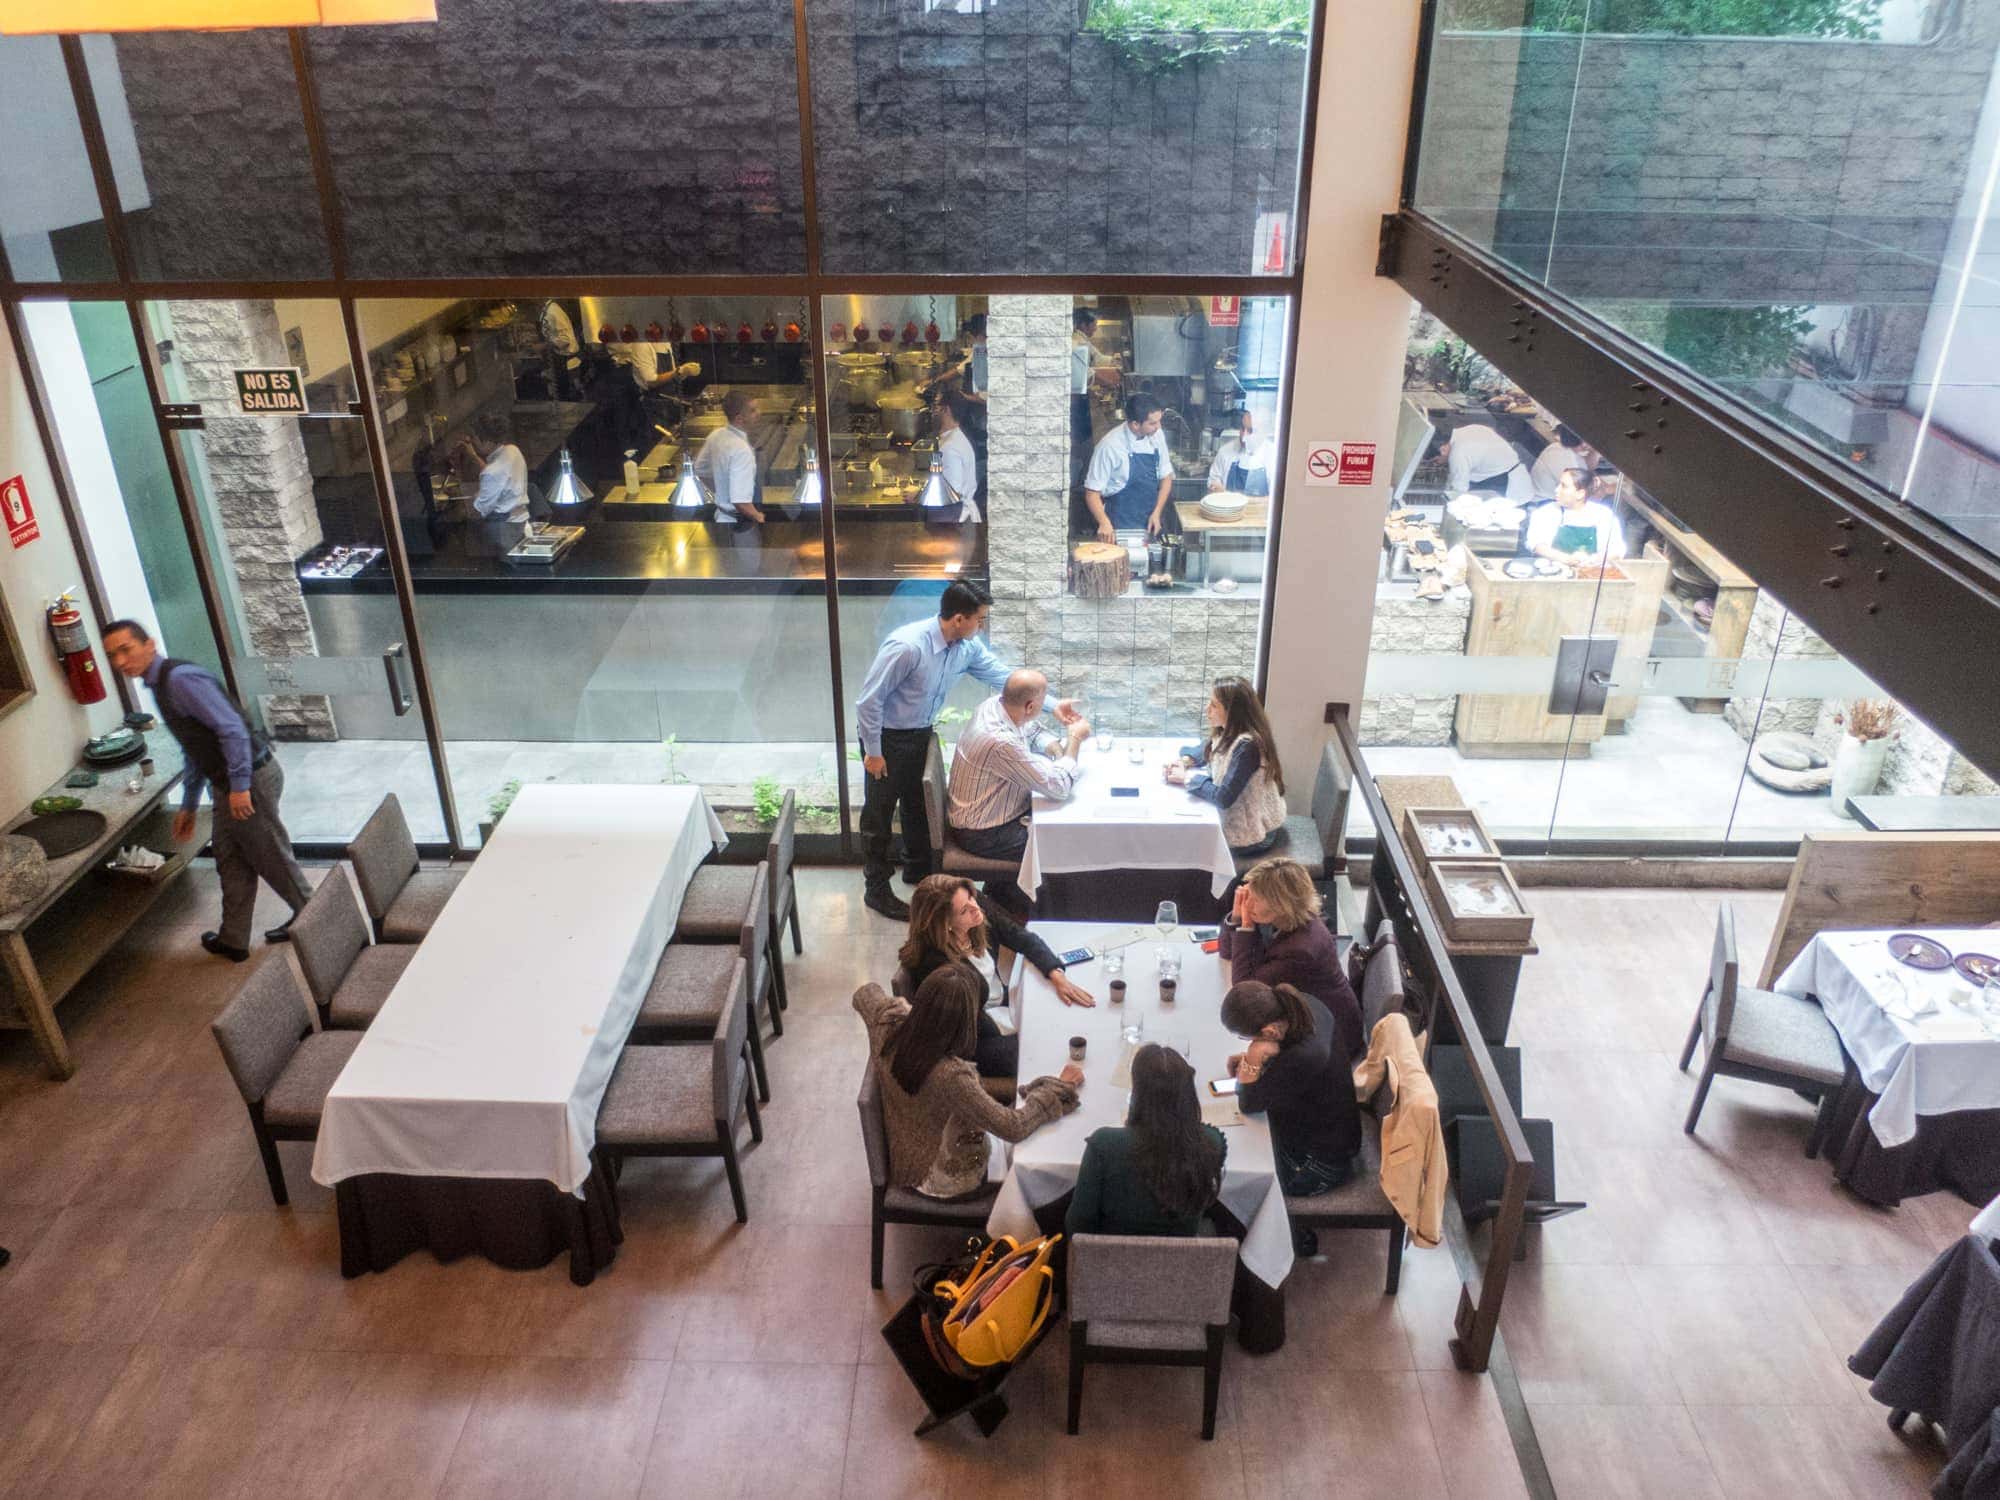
[(1012, 136), (213, 173), (50, 221), (516, 137)]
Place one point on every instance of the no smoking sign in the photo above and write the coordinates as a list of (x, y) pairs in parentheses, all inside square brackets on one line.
[(1334, 464)]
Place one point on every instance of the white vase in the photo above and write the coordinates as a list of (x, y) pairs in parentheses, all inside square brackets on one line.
[(1857, 767)]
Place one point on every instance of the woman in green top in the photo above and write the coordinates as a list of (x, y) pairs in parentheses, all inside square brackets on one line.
[(1160, 1170)]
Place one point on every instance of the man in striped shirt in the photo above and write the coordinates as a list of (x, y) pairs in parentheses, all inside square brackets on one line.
[(1005, 756)]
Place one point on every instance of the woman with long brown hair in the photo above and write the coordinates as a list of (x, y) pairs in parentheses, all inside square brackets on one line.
[(936, 1111), (1236, 768), (1159, 1171), (1274, 933)]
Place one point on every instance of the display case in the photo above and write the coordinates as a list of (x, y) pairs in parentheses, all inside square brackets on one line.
[(1447, 835), (1477, 901)]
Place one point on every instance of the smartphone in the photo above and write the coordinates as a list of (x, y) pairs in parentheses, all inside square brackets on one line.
[(1076, 956), (1222, 1088), (1203, 934), (1124, 791)]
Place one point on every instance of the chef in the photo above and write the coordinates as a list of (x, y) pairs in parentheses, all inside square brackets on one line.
[(503, 471), (1477, 457), (1243, 461), (560, 347), (727, 463), (956, 456), (1131, 473), (1566, 452), (1574, 529), (1082, 361)]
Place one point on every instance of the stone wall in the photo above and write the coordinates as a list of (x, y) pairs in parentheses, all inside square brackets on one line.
[(1142, 665), (260, 486), (1407, 626), (1774, 634)]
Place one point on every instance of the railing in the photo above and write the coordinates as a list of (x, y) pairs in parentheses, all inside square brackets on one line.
[(1478, 1306)]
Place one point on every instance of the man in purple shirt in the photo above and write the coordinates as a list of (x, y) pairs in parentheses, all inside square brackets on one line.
[(223, 752)]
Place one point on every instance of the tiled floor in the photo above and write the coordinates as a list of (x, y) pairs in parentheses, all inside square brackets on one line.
[(168, 1332)]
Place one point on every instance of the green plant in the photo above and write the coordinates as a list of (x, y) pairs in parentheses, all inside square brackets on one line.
[(1163, 35), (1854, 20), (767, 799), (1735, 343), (952, 719), (672, 745), (500, 801)]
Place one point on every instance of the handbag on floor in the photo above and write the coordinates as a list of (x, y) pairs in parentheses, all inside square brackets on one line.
[(983, 1310)]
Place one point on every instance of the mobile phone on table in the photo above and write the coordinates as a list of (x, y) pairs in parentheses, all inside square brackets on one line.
[(1124, 791), (1076, 956), (1222, 1088), (1203, 934)]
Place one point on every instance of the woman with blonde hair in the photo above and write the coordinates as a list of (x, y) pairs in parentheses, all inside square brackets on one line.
[(1274, 935), (1236, 768)]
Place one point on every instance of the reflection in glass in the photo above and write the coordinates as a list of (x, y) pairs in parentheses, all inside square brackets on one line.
[(50, 221)]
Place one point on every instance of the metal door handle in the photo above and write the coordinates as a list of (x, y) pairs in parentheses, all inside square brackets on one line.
[(398, 699), (1600, 677)]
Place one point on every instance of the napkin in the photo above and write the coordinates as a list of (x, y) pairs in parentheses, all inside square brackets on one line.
[(1121, 1076), (1221, 1113)]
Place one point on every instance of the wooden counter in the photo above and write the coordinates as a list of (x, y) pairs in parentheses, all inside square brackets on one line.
[(1529, 617), (1735, 590)]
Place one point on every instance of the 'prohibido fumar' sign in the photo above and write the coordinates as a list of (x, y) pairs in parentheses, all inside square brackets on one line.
[(264, 393)]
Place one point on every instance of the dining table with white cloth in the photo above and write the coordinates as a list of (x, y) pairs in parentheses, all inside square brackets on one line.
[(492, 1052), (1044, 1166), (1162, 827), (1927, 1061)]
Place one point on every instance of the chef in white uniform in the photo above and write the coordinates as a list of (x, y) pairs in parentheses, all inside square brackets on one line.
[(503, 470), (1575, 529), (1243, 461), (1566, 452), (727, 463), (956, 456), (1475, 454)]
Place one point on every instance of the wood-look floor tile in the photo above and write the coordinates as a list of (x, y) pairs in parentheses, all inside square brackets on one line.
[(1470, 1430), (188, 1153), (47, 1395), (1312, 1433), (1336, 1312), (1814, 1221), (1801, 1452), (884, 1461), (1150, 1410), (258, 1280), (1577, 1338), (1653, 1206), (97, 1275), (777, 1323), (558, 1427), (378, 1426), (749, 1430), (1738, 1334), (1646, 1452)]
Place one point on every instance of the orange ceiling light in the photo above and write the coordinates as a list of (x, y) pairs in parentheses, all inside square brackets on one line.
[(37, 17)]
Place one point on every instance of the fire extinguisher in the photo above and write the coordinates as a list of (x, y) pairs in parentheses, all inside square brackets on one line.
[(73, 648)]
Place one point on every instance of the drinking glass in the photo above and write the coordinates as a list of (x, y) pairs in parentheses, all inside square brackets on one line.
[(1114, 963), (1167, 918), (1177, 1041), (1133, 1029), (1136, 753), (1101, 741), (1168, 961)]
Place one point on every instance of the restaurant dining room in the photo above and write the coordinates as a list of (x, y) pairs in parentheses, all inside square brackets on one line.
[(857, 749)]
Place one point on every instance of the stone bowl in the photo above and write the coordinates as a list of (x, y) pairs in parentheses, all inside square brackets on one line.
[(24, 871)]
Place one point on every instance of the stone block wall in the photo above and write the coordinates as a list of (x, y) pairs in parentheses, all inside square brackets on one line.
[(1774, 635), (261, 487), (1414, 627), (1142, 665)]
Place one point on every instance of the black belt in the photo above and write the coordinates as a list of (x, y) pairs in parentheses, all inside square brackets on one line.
[(924, 729), (262, 757)]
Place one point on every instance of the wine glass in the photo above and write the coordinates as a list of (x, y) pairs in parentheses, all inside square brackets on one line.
[(1167, 918)]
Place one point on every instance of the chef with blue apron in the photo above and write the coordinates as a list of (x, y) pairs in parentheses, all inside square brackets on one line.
[(1131, 473), (1243, 461), (1574, 529)]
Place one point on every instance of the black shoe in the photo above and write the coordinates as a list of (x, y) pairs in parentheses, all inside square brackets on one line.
[(1305, 1243), (915, 874), (213, 942), (889, 904), (282, 933)]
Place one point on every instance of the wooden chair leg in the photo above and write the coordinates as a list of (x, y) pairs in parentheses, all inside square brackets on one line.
[(757, 1063), (1211, 1387), (582, 1270), (777, 952), (1694, 1035), (1396, 1237), (798, 939), (771, 1008), (756, 1115), (274, 1169), (1076, 1362), (1700, 1097), (728, 1139), (875, 1231), (1822, 1121)]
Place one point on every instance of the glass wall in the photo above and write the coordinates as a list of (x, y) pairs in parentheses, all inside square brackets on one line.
[(51, 225), (1756, 192)]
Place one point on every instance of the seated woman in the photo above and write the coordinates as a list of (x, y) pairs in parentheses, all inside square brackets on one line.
[(1274, 934), (1237, 768), (1297, 1072), (1160, 1170), (936, 1112), (951, 922)]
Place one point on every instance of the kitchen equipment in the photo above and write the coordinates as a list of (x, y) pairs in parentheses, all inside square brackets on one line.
[(860, 377), (903, 409), (1689, 582), (1520, 567), (1224, 505), (63, 833), (1918, 951), (914, 366)]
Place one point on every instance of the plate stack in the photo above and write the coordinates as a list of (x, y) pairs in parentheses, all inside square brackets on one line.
[(1224, 505)]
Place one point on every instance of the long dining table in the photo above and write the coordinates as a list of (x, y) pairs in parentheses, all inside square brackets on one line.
[(465, 1119)]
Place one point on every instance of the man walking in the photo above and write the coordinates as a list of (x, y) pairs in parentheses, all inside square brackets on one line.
[(224, 753), (906, 686)]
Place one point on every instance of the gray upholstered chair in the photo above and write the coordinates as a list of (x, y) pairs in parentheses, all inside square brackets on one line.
[(752, 909), (717, 898), (282, 1067), (947, 855), (1319, 841), (683, 1100), (349, 977), (1139, 1300), (692, 986), (1762, 1037), (1382, 982), (402, 900), (898, 1205)]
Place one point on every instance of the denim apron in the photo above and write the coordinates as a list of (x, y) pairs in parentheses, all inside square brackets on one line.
[(1132, 507), (1251, 482)]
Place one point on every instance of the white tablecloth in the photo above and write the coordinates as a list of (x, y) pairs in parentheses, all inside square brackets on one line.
[(491, 1054), (1986, 1223), (1163, 828), (1937, 1063), (1044, 1166)]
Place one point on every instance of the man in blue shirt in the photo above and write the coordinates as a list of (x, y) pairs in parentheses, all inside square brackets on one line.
[(916, 667), (223, 752)]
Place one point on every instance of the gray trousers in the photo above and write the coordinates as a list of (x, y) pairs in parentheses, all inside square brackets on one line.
[(255, 848)]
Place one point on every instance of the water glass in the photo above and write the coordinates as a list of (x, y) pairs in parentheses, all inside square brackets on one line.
[(1133, 1030), (1167, 918), (1169, 961), (1101, 741), (1136, 753), (1114, 963)]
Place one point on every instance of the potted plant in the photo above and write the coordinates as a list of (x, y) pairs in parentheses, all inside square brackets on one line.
[(496, 809), (1866, 724)]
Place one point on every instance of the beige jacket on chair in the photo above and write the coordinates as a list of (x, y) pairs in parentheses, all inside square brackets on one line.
[(1414, 1176)]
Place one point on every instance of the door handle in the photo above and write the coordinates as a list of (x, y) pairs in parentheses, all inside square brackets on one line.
[(1600, 677), (398, 699)]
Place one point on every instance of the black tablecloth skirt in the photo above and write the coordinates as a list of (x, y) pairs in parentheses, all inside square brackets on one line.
[(1128, 896), (1957, 1152), (519, 1224)]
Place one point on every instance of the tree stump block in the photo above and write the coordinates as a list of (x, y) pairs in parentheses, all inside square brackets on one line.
[(1099, 570)]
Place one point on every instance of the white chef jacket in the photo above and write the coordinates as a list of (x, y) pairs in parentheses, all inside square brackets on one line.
[(961, 470), (646, 361), (1548, 519), (1111, 461), (727, 464), (557, 329), (1549, 469), (1082, 359), (1479, 453), (503, 486), (1232, 451)]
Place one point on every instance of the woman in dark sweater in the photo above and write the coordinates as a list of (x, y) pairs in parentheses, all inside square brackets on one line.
[(1274, 934), (951, 922), (1160, 1170), (1297, 1072)]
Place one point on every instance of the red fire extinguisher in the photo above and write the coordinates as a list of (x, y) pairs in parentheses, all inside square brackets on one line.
[(72, 642)]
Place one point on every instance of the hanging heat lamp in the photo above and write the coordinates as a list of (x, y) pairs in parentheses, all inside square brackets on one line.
[(810, 490), (629, 334), (770, 328), (911, 333), (568, 490), (837, 333), (655, 334), (745, 334), (607, 335), (687, 494), (886, 333), (937, 491), (699, 333), (675, 333)]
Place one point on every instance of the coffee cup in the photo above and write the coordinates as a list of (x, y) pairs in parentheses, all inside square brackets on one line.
[(1076, 1048), (1117, 992)]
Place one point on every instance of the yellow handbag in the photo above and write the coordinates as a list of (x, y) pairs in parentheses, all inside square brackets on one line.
[(993, 1310)]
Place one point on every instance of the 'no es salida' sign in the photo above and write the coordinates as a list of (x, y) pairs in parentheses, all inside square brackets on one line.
[(264, 393)]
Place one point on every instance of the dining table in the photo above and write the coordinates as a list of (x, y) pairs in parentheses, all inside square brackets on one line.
[(1921, 1109), (1126, 838), (465, 1119), (1041, 1170)]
